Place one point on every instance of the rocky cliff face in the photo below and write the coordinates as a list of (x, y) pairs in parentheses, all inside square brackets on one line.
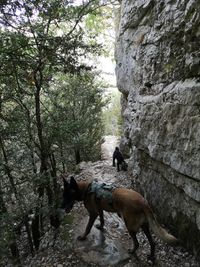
[(158, 73)]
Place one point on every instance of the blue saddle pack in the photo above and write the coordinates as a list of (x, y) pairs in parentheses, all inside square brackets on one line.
[(102, 191)]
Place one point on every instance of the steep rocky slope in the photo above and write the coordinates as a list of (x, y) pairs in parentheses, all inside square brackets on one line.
[(158, 73)]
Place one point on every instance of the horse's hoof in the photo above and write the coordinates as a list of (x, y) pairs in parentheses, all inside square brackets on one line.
[(99, 227)]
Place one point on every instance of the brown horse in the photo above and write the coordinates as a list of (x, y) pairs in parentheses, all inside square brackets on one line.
[(127, 203)]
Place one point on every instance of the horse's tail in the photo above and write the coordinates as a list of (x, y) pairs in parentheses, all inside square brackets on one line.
[(158, 230)]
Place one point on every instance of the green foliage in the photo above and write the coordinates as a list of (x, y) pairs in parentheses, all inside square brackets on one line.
[(77, 104), (50, 106), (100, 24), (67, 225), (112, 115)]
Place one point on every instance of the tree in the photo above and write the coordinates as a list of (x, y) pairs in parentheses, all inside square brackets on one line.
[(77, 104), (112, 115), (37, 40)]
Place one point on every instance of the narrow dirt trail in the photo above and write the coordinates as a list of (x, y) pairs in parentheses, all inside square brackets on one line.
[(104, 249), (108, 248)]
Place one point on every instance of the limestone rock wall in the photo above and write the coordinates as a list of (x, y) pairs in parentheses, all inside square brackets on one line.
[(158, 73)]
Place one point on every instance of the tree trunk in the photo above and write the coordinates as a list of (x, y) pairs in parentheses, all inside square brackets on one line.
[(77, 156), (7, 169), (15, 252), (35, 228), (54, 221), (29, 235), (13, 245), (62, 157)]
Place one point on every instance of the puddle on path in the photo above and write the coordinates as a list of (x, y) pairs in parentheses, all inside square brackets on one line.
[(104, 249)]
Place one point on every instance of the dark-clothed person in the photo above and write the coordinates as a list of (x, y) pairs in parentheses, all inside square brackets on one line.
[(117, 155)]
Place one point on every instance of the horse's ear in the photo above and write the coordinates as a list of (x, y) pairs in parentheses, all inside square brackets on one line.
[(73, 183)]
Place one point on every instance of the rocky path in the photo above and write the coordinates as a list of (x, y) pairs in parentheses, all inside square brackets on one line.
[(102, 249)]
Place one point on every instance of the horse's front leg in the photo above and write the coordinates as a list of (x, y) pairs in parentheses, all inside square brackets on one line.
[(92, 218), (101, 217)]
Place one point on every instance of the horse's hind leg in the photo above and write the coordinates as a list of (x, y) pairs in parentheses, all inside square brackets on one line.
[(132, 228), (135, 242), (145, 228)]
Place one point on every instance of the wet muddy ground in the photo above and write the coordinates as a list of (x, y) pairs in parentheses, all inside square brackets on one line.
[(108, 248)]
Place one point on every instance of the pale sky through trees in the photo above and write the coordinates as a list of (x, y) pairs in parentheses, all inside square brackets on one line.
[(105, 64), (78, 2)]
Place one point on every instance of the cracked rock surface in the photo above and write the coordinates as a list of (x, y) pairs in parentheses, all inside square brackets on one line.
[(157, 68)]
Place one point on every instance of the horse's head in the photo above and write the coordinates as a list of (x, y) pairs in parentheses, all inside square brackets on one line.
[(70, 193)]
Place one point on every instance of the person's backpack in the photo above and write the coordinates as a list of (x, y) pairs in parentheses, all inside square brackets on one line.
[(124, 166)]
